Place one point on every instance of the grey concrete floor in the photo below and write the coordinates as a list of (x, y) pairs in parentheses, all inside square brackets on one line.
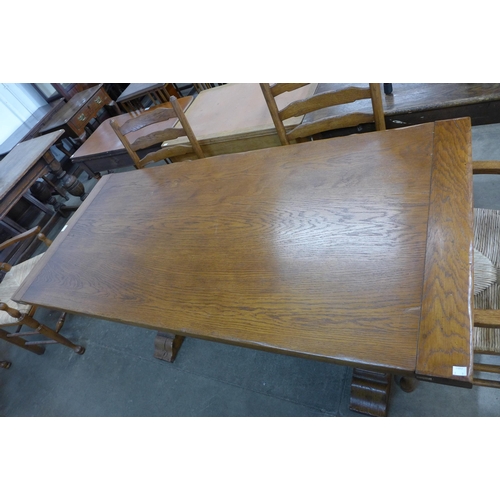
[(118, 375)]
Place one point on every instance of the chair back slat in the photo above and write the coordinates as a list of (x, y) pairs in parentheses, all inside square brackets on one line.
[(280, 88), (168, 152), (159, 136), (320, 101), (324, 100), (147, 118), (335, 122)]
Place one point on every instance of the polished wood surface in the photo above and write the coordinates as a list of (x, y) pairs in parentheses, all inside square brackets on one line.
[(445, 341), (315, 249), (233, 118), (103, 150), (22, 167)]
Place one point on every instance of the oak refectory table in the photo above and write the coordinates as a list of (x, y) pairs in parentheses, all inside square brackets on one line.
[(354, 250)]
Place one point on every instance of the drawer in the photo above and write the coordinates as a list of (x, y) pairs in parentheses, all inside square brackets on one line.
[(97, 102), (78, 122)]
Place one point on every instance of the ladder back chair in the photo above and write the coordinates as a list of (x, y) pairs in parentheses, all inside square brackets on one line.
[(154, 138), (19, 315), (486, 336), (320, 101)]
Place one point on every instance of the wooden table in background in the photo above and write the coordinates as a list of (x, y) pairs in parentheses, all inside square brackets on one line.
[(22, 167), (104, 151), (416, 103), (354, 250), (234, 118), (78, 111), (19, 170), (157, 92)]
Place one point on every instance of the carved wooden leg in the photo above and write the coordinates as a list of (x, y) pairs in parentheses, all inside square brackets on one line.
[(5, 364), (370, 392), (20, 342), (167, 346)]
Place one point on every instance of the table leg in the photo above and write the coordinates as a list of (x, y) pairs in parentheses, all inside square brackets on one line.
[(407, 384), (370, 392), (167, 346)]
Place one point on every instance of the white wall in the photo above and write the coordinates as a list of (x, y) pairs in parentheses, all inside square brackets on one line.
[(18, 101)]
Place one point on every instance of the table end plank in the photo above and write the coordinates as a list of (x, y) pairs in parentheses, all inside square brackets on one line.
[(445, 351)]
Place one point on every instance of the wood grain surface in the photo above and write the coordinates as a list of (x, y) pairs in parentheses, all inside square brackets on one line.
[(315, 249), (445, 339)]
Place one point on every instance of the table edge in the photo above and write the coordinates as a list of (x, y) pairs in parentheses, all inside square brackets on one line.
[(18, 296), (444, 346)]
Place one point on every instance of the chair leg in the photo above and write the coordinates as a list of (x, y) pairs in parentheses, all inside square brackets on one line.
[(52, 334), (20, 342), (29, 321)]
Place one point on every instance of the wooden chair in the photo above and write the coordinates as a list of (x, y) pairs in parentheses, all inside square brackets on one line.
[(14, 314), (320, 101), (148, 140), (486, 338)]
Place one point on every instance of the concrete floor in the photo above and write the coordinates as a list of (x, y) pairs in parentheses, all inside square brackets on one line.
[(118, 376)]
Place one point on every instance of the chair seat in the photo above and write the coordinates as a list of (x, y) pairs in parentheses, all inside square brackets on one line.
[(10, 284), (487, 241)]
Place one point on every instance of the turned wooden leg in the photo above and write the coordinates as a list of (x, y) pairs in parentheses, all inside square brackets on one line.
[(54, 336), (167, 346), (5, 364), (370, 392), (51, 334), (20, 342)]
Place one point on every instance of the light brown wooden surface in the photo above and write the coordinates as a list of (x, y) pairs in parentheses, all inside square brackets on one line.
[(445, 339), (314, 249), (234, 118), (21, 167)]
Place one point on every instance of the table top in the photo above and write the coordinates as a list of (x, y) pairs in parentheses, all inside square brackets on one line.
[(355, 250), (237, 109), (71, 108), (21, 159), (138, 89), (104, 140)]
